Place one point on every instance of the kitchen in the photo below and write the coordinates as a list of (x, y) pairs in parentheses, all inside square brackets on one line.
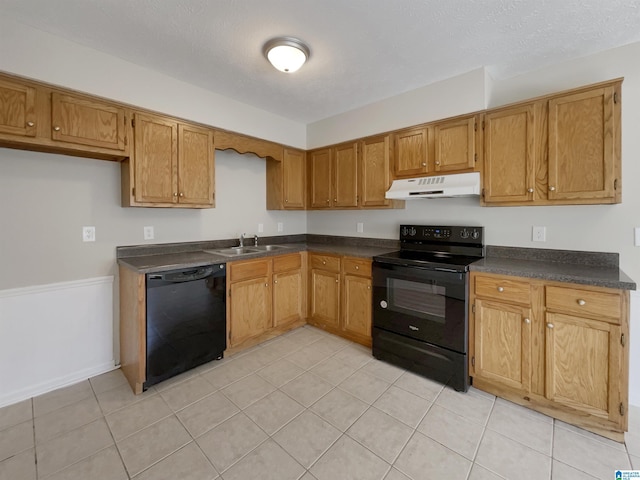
[(58, 194)]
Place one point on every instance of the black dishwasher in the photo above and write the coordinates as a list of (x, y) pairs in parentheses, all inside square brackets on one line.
[(186, 320)]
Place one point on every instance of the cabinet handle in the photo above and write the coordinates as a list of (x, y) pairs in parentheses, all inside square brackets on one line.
[(336, 280), (437, 163), (501, 289), (530, 190), (552, 188), (181, 194), (581, 302), (324, 262), (56, 128), (266, 284), (286, 201), (549, 325), (424, 164), (327, 200), (335, 200), (527, 321), (368, 287), (357, 267), (175, 194), (275, 281), (30, 124)]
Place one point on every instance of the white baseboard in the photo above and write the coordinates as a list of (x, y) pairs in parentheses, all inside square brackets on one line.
[(54, 335)]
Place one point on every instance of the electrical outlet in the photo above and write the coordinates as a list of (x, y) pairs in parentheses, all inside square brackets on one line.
[(539, 234), (280, 227), (148, 233), (637, 239), (260, 227), (359, 227), (88, 234)]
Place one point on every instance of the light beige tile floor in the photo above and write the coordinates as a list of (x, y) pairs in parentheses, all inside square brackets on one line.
[(304, 406)]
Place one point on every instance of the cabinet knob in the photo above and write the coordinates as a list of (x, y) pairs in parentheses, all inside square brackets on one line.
[(286, 201), (324, 262), (30, 124), (56, 128), (549, 325), (437, 163), (552, 188), (327, 200), (335, 200), (181, 194), (501, 289), (275, 281), (336, 280), (530, 190), (581, 302), (175, 194), (357, 267), (527, 321), (424, 164), (266, 284), (368, 287)]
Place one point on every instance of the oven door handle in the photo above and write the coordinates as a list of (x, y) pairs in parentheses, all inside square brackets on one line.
[(448, 270)]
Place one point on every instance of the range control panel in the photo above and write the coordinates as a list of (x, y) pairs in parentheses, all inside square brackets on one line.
[(420, 233)]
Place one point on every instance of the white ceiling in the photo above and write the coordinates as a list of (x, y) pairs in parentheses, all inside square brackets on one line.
[(361, 50)]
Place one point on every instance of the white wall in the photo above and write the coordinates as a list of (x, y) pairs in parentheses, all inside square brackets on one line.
[(606, 228)]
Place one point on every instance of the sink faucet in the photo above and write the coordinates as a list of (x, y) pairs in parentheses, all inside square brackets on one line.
[(242, 239), (255, 240)]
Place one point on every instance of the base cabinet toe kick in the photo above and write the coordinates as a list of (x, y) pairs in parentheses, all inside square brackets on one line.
[(558, 348)]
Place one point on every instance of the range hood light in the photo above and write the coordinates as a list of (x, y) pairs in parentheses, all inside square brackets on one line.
[(287, 54)]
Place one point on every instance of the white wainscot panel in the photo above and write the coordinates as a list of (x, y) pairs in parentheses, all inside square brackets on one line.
[(54, 335)]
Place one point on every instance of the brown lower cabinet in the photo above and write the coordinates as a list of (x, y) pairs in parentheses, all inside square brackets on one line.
[(340, 295), (558, 348), (265, 297)]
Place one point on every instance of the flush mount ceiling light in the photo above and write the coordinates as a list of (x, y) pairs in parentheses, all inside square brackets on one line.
[(287, 54)]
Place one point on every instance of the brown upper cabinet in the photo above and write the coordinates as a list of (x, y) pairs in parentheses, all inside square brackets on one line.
[(411, 152), (333, 177), (561, 149), (286, 181), (172, 165), (455, 144), (375, 171), (17, 108)]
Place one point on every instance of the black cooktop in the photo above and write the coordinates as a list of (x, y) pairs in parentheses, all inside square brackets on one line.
[(432, 260)]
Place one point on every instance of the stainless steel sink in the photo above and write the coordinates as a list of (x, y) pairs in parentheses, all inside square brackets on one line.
[(270, 248), (233, 251)]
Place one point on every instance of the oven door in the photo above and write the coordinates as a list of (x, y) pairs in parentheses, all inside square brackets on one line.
[(427, 305)]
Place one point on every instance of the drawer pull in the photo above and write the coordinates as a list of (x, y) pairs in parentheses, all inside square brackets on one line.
[(501, 289), (549, 325), (424, 164), (30, 124), (275, 281), (415, 329), (324, 262), (336, 280), (581, 302), (530, 190), (266, 284), (527, 321), (56, 128), (357, 267)]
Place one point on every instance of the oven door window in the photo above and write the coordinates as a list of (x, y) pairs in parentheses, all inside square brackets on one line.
[(418, 299)]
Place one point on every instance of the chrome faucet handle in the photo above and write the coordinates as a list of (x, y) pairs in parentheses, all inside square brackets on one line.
[(255, 240), (242, 239)]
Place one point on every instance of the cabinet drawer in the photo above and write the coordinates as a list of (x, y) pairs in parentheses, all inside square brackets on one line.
[(357, 266), (325, 262), (248, 269), (286, 262), (585, 302), (504, 288)]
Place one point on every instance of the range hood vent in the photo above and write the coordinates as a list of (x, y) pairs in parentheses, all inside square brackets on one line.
[(455, 185)]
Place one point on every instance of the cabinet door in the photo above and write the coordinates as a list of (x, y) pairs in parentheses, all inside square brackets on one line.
[(287, 297), (346, 175), (411, 156), (87, 122), (583, 360), (455, 143), (156, 159), (510, 154), (375, 178), (320, 174), (293, 171), (503, 344), (17, 109), (356, 311), (250, 309), (325, 297), (195, 165), (581, 145)]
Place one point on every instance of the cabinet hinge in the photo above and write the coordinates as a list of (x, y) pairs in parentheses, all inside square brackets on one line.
[(126, 141), (473, 308), (473, 361), (475, 126), (483, 193), (133, 122), (475, 157), (622, 409), (133, 192), (615, 97), (615, 184), (623, 340), (483, 124)]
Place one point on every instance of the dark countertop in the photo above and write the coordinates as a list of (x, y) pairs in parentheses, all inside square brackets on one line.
[(160, 262), (585, 268)]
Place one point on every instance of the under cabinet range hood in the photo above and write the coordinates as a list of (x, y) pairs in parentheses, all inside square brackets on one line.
[(455, 185)]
